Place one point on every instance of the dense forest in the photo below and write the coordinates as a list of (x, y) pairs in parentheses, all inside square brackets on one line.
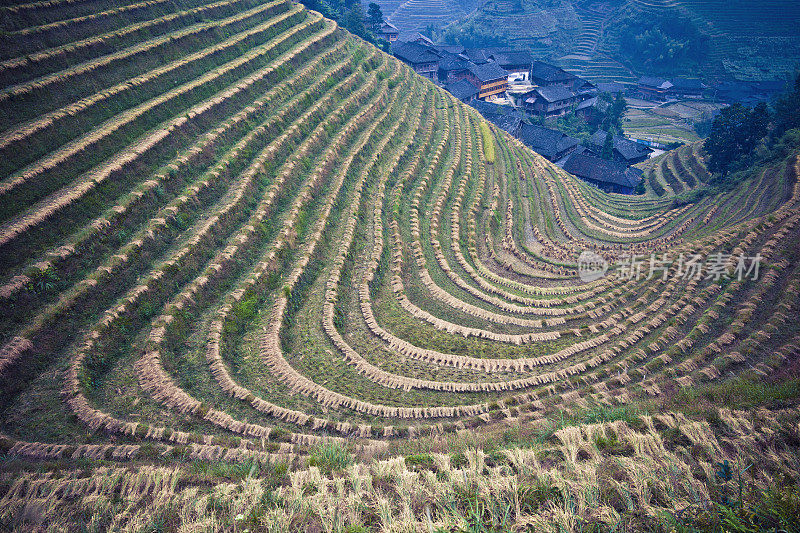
[(660, 43)]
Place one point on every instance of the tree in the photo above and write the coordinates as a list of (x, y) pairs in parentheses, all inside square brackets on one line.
[(760, 118), (374, 16), (787, 109), (608, 147), (735, 132), (608, 113), (616, 112), (353, 20)]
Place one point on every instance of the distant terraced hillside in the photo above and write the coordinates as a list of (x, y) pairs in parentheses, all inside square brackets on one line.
[(676, 171), (548, 29), (417, 15), (746, 41), (234, 237), (582, 36)]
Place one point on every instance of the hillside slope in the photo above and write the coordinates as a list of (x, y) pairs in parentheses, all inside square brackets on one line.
[(237, 242), (624, 39)]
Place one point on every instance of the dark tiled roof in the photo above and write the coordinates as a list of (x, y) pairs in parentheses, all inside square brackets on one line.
[(547, 72), (449, 48), (507, 123), (585, 87), (504, 117), (611, 87), (477, 55), (462, 89), (451, 61), (554, 93), (596, 169), (627, 148), (587, 104), (485, 108), (414, 53), (412, 36), (656, 83), (388, 27), (488, 71), (688, 83), (513, 58), (546, 141)]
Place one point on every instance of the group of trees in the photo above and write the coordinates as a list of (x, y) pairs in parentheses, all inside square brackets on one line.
[(351, 16), (740, 133), (472, 34), (661, 43), (735, 132), (609, 112)]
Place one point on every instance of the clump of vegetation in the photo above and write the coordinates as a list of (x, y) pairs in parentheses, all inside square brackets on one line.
[(660, 42), (330, 457), (742, 137), (488, 143)]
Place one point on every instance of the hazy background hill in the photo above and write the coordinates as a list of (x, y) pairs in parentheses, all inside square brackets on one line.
[(614, 39)]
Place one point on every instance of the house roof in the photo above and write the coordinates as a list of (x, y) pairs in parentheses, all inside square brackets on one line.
[(462, 89), (488, 71), (611, 87), (414, 53), (585, 87), (655, 83), (544, 71), (476, 55), (450, 61), (504, 117), (555, 93), (413, 36), (388, 27), (546, 141), (449, 48), (513, 58), (587, 103), (590, 167), (486, 108), (627, 148), (688, 83), (507, 123)]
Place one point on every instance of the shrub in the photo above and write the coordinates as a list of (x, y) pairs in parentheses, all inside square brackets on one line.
[(279, 435), (330, 457), (421, 462)]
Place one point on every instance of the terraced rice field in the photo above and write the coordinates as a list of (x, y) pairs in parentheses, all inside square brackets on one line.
[(232, 232), (418, 15), (676, 171), (745, 43)]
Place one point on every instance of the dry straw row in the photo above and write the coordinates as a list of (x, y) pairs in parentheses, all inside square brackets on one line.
[(73, 390), (53, 81), (109, 221), (66, 53), (108, 272), (120, 163), (152, 375), (218, 369)]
